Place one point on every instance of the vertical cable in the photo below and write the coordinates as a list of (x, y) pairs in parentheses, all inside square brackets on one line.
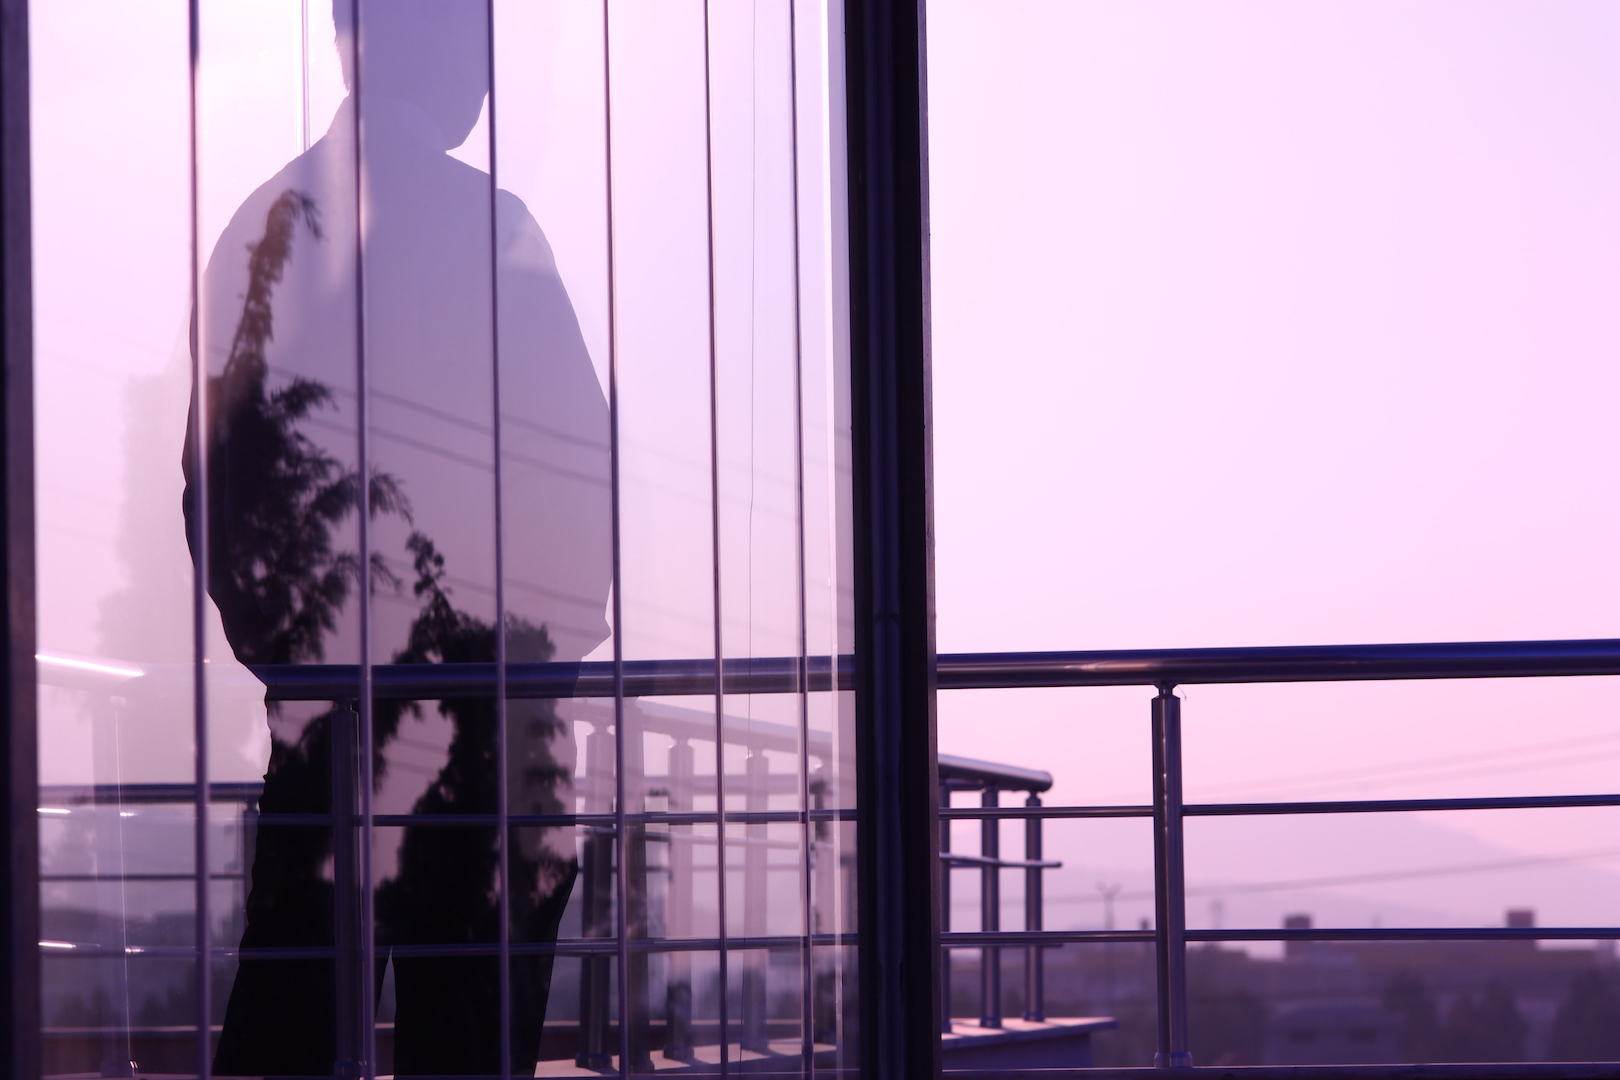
[(303, 6), (620, 824), (503, 843), (830, 72), (808, 984), (368, 940), (199, 581), (714, 534)]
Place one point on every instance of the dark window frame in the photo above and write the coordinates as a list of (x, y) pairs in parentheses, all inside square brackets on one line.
[(896, 757), (19, 944)]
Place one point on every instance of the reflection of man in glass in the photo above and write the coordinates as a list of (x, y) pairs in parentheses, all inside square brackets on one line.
[(282, 334)]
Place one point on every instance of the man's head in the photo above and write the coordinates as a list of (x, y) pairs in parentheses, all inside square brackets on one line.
[(432, 53)]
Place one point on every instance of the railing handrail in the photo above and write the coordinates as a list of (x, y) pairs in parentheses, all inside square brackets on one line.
[(1160, 668), (955, 671), (585, 679), (1281, 664), (970, 774), (977, 671)]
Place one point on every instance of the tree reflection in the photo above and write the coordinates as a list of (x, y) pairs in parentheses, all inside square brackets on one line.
[(276, 502), (274, 496), (449, 1010)]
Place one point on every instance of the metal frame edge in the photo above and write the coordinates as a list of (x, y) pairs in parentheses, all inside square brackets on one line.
[(20, 1002), (897, 769)]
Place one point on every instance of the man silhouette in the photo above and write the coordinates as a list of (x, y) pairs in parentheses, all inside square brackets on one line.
[(392, 257)]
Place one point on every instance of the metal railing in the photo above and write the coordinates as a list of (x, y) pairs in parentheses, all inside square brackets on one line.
[(965, 671), (609, 842), (1162, 669), (990, 780), (1167, 669)]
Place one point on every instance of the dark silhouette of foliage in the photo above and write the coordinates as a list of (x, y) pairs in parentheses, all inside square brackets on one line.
[(1408, 998), (1486, 1028), (274, 496), (1587, 1024), (275, 499), (442, 634), (447, 888)]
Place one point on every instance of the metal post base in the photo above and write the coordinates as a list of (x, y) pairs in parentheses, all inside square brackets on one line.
[(1172, 1061)]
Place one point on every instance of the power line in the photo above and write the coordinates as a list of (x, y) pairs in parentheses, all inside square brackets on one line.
[(1464, 773), (1389, 775), (1363, 879), (1420, 765)]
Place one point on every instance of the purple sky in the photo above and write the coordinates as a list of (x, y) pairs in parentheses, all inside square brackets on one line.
[(1272, 323), (1254, 323)]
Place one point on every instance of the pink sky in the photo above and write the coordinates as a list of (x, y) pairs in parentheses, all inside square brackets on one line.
[(1273, 323), (1253, 324)]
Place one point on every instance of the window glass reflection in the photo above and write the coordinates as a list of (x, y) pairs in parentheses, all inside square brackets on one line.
[(425, 286)]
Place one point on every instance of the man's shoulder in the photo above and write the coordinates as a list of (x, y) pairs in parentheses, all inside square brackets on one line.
[(523, 244), (304, 174)]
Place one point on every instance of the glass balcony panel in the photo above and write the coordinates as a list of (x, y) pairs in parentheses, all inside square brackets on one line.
[(682, 887), (832, 1010), (824, 448), (683, 1006), (372, 307), (765, 878), (758, 344), (662, 316), (556, 507), (663, 383), (766, 1009), (581, 1017), (278, 348)]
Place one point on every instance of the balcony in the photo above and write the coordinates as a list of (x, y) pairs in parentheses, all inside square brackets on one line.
[(663, 838)]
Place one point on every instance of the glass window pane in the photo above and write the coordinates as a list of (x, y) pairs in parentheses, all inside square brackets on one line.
[(456, 350), (111, 292)]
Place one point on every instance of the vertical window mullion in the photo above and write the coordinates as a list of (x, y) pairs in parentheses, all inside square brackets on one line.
[(620, 824), (503, 842), (199, 578), (714, 527), (365, 1008)]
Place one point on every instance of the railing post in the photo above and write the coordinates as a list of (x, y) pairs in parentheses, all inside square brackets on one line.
[(1034, 955), (595, 1049), (944, 910), (678, 965), (754, 1035), (348, 931), (990, 914), (635, 1006), (1169, 896), (829, 899)]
